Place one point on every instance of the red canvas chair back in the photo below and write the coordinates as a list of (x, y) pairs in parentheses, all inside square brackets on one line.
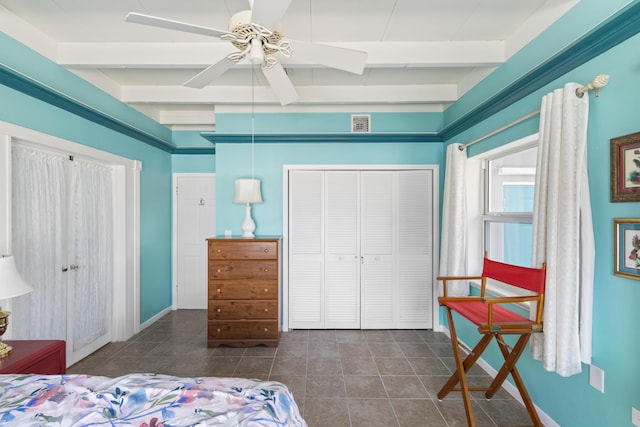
[(530, 279), (526, 278)]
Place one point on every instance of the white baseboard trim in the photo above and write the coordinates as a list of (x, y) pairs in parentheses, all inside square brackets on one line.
[(155, 318), (510, 388)]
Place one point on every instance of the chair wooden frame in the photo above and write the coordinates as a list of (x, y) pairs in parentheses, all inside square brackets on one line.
[(494, 320)]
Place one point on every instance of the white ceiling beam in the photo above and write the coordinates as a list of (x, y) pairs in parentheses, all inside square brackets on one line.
[(198, 55), (401, 94)]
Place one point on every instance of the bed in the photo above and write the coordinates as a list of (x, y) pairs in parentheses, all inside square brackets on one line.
[(145, 400)]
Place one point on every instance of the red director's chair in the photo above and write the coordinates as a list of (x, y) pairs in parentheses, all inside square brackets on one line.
[(494, 320)]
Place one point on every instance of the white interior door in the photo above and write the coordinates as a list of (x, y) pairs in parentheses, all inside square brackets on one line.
[(90, 259), (195, 221), (72, 275)]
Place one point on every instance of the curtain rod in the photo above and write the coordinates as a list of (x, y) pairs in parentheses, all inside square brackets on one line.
[(596, 84)]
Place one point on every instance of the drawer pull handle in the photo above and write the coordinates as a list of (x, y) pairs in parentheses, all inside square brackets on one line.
[(266, 329), (219, 251), (219, 290), (266, 310), (266, 289), (266, 251), (218, 329), (219, 270), (266, 270), (218, 310)]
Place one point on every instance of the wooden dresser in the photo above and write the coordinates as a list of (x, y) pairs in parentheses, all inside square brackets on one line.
[(244, 283)]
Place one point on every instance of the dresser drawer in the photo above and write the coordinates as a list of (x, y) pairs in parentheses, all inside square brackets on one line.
[(243, 270), (243, 329), (243, 289), (249, 249), (243, 309)]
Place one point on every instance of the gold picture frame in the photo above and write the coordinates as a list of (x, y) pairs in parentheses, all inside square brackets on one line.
[(626, 247), (625, 168)]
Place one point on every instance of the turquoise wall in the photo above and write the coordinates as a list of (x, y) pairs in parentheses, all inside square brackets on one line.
[(234, 161), (155, 177), (572, 402)]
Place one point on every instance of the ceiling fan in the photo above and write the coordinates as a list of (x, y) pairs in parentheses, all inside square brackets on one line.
[(253, 41)]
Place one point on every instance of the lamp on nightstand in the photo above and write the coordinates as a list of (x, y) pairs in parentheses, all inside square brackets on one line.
[(11, 285)]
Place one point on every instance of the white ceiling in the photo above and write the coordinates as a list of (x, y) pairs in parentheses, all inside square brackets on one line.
[(422, 54)]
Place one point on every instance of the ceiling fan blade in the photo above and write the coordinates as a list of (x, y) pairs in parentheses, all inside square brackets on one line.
[(349, 60), (210, 73), (268, 12), (280, 83), (170, 24)]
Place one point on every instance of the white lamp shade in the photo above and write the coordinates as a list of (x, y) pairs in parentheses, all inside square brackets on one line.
[(11, 284), (247, 191)]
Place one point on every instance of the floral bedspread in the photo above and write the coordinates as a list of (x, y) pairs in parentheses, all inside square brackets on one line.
[(145, 400)]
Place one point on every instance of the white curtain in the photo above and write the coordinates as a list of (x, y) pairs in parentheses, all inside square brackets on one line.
[(91, 251), (453, 258), (62, 218), (563, 232), (39, 211)]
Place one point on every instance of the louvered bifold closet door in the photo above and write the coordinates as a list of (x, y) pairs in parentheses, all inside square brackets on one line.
[(342, 263), (306, 250), (379, 300), (415, 249)]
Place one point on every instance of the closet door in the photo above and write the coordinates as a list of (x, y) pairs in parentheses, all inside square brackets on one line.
[(361, 249), (324, 262), (414, 281), (306, 249), (342, 249), (378, 249)]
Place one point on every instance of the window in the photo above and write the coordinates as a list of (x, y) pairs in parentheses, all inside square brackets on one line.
[(509, 182)]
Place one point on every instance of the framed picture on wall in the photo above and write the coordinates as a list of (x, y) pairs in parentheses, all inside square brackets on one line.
[(625, 168), (626, 235)]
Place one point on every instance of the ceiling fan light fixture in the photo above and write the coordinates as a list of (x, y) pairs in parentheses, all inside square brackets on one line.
[(256, 55)]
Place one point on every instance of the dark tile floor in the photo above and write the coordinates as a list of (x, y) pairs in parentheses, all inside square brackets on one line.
[(338, 377)]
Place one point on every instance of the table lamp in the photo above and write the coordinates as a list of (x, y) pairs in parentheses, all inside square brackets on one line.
[(247, 191), (11, 285)]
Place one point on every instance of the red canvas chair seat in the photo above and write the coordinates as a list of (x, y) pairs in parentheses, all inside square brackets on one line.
[(494, 317), (477, 312)]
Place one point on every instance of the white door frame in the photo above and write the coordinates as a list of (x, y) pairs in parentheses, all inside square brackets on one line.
[(126, 199), (285, 227), (174, 232)]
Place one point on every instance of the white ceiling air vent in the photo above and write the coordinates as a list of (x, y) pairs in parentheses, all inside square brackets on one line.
[(360, 123)]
